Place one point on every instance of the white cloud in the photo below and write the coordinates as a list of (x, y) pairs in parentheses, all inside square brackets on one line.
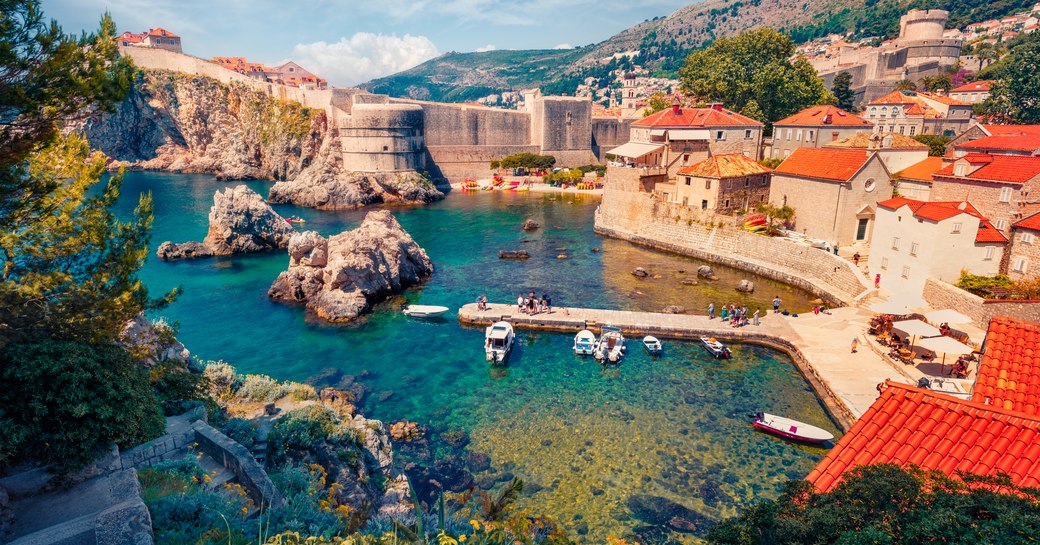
[(563, 46), (488, 47), (364, 56)]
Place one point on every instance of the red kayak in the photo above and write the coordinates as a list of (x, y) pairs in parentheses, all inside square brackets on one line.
[(791, 429)]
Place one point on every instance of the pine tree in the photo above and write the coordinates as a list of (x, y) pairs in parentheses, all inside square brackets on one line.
[(842, 90)]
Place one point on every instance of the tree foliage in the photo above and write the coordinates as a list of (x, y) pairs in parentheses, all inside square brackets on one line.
[(885, 504), (842, 89), (936, 143), (1015, 95), (656, 103), (64, 402), (937, 83), (754, 67), (528, 160)]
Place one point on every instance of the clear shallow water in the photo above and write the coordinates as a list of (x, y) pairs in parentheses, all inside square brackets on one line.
[(584, 439)]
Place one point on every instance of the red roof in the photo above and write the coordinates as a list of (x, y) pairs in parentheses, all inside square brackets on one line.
[(981, 85), (922, 171), (941, 210), (130, 37), (825, 115), (695, 117), (1015, 169), (1009, 375), (161, 32), (1006, 130), (725, 166), (826, 163), (1009, 142), (911, 426), (1031, 222)]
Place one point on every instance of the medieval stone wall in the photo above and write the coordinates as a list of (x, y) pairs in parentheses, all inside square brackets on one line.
[(940, 295), (609, 133)]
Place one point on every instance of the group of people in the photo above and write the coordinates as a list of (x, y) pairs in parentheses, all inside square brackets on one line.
[(482, 303), (532, 304), (737, 316)]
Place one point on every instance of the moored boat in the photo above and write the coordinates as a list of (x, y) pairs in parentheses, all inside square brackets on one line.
[(498, 340), (652, 345), (295, 219), (424, 311), (611, 345), (791, 429), (584, 343), (716, 348)]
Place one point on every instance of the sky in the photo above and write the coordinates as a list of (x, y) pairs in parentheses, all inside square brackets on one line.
[(353, 41)]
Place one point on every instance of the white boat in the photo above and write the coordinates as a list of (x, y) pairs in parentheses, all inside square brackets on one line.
[(584, 343), (498, 340), (791, 429), (423, 311), (611, 345), (716, 348), (652, 345)]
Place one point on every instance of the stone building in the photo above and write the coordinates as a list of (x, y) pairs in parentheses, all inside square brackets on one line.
[(915, 181), (813, 127), (725, 184), (911, 113), (833, 192), (158, 38), (288, 73), (629, 96), (1025, 143), (1004, 187), (972, 92), (896, 151), (1002, 139), (1023, 254), (917, 240)]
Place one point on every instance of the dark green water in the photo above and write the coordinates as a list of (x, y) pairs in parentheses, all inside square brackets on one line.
[(584, 439)]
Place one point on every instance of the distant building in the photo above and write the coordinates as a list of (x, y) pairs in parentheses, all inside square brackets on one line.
[(1003, 187), (814, 127), (915, 181), (973, 92), (917, 240), (911, 113), (979, 131), (158, 38), (1025, 143), (629, 97), (833, 192), (1024, 251), (723, 183), (896, 151), (289, 73)]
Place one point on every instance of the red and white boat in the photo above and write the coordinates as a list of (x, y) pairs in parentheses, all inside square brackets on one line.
[(791, 429)]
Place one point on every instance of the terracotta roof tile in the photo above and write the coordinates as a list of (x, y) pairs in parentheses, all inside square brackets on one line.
[(941, 210), (725, 166), (1004, 130), (862, 140), (824, 163), (998, 168), (1032, 223), (824, 115), (995, 440), (696, 117), (161, 32), (1009, 142), (1012, 359), (922, 171), (980, 85)]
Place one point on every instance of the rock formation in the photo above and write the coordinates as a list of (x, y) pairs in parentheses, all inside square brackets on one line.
[(640, 272), (530, 225), (240, 222), (705, 271), (152, 342), (513, 254), (746, 286), (340, 277)]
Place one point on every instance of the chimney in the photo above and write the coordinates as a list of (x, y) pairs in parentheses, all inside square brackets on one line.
[(827, 119), (676, 107), (717, 106)]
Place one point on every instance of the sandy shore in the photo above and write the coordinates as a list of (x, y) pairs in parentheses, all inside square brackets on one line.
[(546, 188)]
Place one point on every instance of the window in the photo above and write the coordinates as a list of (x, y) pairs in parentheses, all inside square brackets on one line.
[(884, 263), (1027, 238), (747, 134), (720, 135), (913, 130), (798, 135), (906, 271), (1005, 194), (989, 253), (902, 129), (727, 203), (707, 184), (957, 227), (913, 248), (873, 111), (685, 157), (895, 243), (684, 201), (788, 134), (1021, 265), (1001, 224), (809, 138), (959, 169), (687, 180), (883, 111), (895, 111), (704, 205), (765, 182)]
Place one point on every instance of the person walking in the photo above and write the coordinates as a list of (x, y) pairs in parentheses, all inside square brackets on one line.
[(711, 311), (756, 316), (520, 303), (855, 259), (877, 280), (776, 304), (855, 344), (835, 248)]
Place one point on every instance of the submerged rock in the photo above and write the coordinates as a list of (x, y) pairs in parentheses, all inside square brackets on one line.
[(640, 272), (746, 286), (513, 254), (674, 309), (659, 511), (340, 277), (690, 281), (240, 222), (705, 271), (530, 225)]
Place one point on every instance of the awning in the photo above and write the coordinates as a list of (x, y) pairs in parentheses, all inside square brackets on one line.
[(635, 150), (689, 134), (657, 132)]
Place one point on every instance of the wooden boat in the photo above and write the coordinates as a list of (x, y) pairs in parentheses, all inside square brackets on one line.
[(716, 348), (611, 345), (584, 343), (791, 429), (423, 311), (498, 340), (652, 345)]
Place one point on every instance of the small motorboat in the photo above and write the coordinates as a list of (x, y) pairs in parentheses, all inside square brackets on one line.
[(584, 343), (652, 345), (791, 429), (716, 348), (611, 345), (295, 219), (423, 311), (498, 340)]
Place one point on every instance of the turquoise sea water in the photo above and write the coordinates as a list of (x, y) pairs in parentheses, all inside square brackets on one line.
[(601, 450)]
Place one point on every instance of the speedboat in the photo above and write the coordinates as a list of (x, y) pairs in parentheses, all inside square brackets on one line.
[(611, 345), (498, 340), (652, 345), (791, 429), (716, 348), (295, 219), (584, 343), (423, 311)]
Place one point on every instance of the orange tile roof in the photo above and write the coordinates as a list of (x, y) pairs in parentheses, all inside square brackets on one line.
[(824, 115), (1032, 223), (911, 426), (862, 140), (695, 117), (725, 166), (981, 85), (1017, 142), (161, 32), (825, 163), (922, 171), (895, 97), (1009, 374), (130, 37), (941, 210), (1015, 169), (1005, 130)]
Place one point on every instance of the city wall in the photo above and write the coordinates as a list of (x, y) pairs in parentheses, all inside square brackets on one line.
[(940, 295), (641, 218), (609, 133)]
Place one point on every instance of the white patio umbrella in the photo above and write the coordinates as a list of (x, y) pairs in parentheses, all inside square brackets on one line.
[(946, 345), (890, 307), (949, 316), (916, 328)]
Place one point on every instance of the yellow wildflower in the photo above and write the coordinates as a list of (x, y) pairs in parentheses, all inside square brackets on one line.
[(462, 538), (475, 524)]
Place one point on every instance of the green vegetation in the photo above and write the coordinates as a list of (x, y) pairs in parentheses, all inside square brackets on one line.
[(771, 162), (751, 72), (936, 143), (565, 176), (525, 160), (941, 83), (843, 94), (656, 103), (1015, 96), (885, 504), (980, 285)]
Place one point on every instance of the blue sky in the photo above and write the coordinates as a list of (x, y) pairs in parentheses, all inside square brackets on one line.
[(352, 41)]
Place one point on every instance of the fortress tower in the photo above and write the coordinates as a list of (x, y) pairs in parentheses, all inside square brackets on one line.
[(922, 24), (628, 95)]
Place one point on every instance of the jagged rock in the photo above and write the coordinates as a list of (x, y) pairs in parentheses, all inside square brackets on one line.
[(746, 286), (640, 272), (705, 271), (240, 222), (406, 431), (513, 254), (152, 342), (360, 267), (674, 309), (530, 225), (690, 281), (338, 400)]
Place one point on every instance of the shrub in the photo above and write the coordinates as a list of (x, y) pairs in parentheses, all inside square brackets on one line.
[(65, 402), (301, 392), (175, 386), (222, 377), (241, 430), (980, 285), (259, 388)]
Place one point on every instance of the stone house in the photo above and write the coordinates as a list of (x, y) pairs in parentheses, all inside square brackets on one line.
[(1025, 142), (814, 127), (725, 184), (1004, 187), (916, 240), (915, 181), (833, 192), (978, 131), (292, 74), (896, 150), (912, 113), (1023, 255), (158, 38), (972, 92)]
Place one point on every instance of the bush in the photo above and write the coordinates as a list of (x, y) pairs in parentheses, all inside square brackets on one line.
[(301, 392), (175, 386), (259, 388), (528, 160), (65, 402), (980, 285), (222, 377), (300, 430), (241, 430)]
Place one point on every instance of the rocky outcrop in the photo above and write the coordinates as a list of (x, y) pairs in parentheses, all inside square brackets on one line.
[(513, 254), (152, 342), (530, 225), (705, 271), (240, 222), (746, 286), (340, 277)]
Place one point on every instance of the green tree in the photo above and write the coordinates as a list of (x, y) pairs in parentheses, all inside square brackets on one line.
[(65, 402), (656, 103), (1015, 95), (906, 85), (842, 90), (754, 66), (936, 143), (940, 82)]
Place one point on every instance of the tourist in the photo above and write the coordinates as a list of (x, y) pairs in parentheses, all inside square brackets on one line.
[(711, 311), (723, 313), (855, 344), (855, 259), (835, 248), (776, 304), (483, 302), (743, 315), (756, 316), (520, 303), (548, 303), (877, 280), (545, 304)]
